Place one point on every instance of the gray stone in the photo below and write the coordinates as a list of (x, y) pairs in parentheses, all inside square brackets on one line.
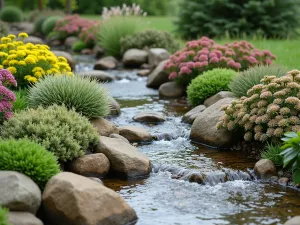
[(135, 134), (69, 42), (106, 63), (171, 90), (33, 40), (18, 192), (99, 75), (191, 115), (149, 117), (124, 158), (119, 137), (135, 57), (115, 108), (294, 221), (71, 199), (204, 129), (16, 28), (143, 73), (283, 181), (67, 55), (156, 55), (158, 76), (213, 99), (104, 127), (96, 179), (264, 169), (23, 218), (90, 165), (86, 51)]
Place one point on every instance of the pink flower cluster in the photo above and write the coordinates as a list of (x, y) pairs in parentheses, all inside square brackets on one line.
[(204, 54), (6, 96), (76, 25)]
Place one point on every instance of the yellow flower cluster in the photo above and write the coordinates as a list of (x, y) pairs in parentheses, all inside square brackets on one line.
[(29, 62)]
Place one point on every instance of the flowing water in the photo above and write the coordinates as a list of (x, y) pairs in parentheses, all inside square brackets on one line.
[(191, 184)]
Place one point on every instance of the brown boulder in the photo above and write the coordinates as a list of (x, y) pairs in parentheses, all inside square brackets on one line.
[(104, 127), (135, 134)]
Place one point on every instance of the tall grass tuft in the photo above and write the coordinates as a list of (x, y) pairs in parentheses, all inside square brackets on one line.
[(86, 96), (252, 76), (111, 32), (272, 153), (21, 102)]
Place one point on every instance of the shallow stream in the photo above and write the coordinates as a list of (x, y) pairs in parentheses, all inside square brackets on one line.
[(171, 195)]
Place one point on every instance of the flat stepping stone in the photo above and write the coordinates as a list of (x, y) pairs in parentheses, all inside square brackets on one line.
[(135, 134), (149, 117)]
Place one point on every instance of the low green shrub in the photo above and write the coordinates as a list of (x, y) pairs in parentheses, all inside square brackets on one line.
[(21, 102), (61, 131), (3, 29), (252, 76), (291, 153), (270, 109), (49, 24), (111, 32), (38, 24), (84, 95), (209, 84), (11, 14), (3, 216), (29, 158), (149, 39), (78, 46), (272, 152)]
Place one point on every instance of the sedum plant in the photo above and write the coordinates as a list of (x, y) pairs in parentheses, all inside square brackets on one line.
[(149, 39), (85, 96), (252, 76), (208, 84), (3, 216), (29, 158), (205, 54), (268, 111), (64, 132), (291, 153), (29, 62)]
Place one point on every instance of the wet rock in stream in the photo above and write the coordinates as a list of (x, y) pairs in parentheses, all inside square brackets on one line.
[(149, 117)]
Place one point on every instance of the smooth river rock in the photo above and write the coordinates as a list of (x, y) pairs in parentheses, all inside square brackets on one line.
[(96, 165), (149, 117), (18, 192), (23, 218), (204, 129), (191, 115), (264, 169), (124, 158), (217, 97), (171, 90), (67, 55), (115, 108), (69, 41), (98, 75), (135, 57), (119, 137), (104, 127), (106, 63), (158, 76), (71, 199), (156, 55), (143, 73), (294, 221), (135, 134)]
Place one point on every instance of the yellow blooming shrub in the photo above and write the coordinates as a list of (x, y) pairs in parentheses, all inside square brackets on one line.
[(270, 109), (29, 62)]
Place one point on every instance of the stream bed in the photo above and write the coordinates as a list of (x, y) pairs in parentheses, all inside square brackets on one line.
[(230, 193)]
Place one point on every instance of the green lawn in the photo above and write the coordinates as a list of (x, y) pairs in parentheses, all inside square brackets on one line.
[(287, 51)]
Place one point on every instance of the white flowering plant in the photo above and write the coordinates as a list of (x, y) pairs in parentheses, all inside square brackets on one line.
[(270, 109)]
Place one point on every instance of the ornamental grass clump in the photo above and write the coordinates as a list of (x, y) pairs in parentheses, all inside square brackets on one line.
[(29, 62), (7, 97), (29, 158), (85, 96), (205, 54), (252, 76), (209, 84), (63, 132), (133, 10), (268, 111)]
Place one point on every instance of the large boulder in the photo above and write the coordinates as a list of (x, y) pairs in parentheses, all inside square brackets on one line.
[(135, 57), (191, 115), (204, 129), (106, 63), (96, 165), (158, 76), (156, 55), (213, 99), (104, 127), (99, 75), (124, 158), (135, 134), (16, 28), (149, 117), (23, 218), (115, 108), (18, 192), (67, 55), (71, 199), (70, 41), (294, 221), (171, 90), (265, 169)]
